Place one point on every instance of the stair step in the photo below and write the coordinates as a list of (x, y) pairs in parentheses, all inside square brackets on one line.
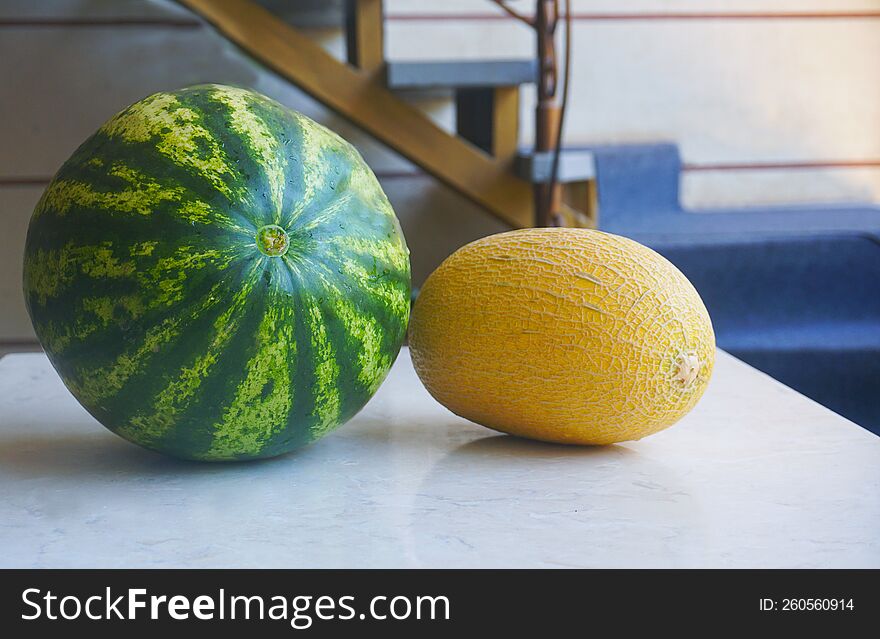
[(308, 14), (575, 165), (460, 74)]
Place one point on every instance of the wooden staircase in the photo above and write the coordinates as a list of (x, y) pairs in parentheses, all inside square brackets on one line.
[(482, 161)]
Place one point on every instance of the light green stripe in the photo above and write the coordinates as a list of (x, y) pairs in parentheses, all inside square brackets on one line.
[(95, 385), (199, 212), (377, 284), (365, 330), (105, 307), (178, 134), (326, 390), (390, 251), (168, 280), (363, 182), (316, 139), (48, 273), (57, 336), (265, 146), (332, 210), (143, 197), (256, 414), (373, 363), (174, 398)]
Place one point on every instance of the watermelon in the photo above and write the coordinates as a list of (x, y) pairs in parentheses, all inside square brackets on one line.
[(217, 277)]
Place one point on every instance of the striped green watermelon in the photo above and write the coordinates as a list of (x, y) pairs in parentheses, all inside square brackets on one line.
[(217, 277)]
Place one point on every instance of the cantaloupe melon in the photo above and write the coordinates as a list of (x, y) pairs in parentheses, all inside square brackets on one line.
[(562, 335)]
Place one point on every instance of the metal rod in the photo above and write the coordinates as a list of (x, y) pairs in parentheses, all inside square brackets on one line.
[(556, 213), (548, 198), (513, 13)]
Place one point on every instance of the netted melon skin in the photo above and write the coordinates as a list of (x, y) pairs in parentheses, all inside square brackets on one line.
[(563, 335)]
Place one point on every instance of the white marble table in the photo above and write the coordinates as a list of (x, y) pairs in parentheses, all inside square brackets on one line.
[(756, 476)]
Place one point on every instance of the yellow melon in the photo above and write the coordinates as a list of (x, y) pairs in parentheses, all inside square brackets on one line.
[(563, 335)]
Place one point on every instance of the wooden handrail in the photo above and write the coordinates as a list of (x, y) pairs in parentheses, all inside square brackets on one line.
[(359, 96)]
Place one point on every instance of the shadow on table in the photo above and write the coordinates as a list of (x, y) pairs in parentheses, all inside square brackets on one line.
[(503, 501), (87, 454), (501, 445)]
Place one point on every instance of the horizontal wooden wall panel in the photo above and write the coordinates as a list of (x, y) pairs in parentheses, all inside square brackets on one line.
[(16, 204), (476, 8), (80, 10)]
